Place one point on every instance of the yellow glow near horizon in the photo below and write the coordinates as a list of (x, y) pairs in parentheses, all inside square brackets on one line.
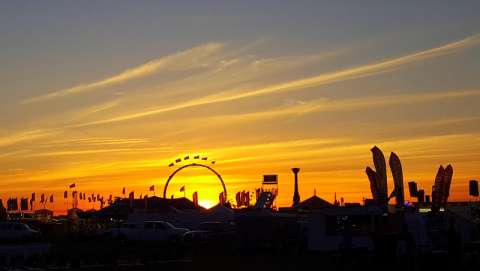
[(206, 203)]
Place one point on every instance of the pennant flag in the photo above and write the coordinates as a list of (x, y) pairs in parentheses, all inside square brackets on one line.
[(72, 185), (178, 160), (131, 197), (24, 204), (89, 199), (213, 162), (186, 157), (65, 194), (182, 189), (15, 204), (33, 197), (221, 198), (152, 188), (196, 157), (171, 165), (51, 198), (195, 198), (238, 199), (42, 198), (205, 158)]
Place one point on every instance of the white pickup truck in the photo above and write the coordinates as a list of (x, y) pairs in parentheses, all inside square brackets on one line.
[(147, 231)]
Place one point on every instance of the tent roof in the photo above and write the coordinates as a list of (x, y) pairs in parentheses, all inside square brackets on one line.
[(313, 203)]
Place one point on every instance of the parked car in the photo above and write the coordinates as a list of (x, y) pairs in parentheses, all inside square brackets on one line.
[(15, 231), (147, 231), (211, 232)]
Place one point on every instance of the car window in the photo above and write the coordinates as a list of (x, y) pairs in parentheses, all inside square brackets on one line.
[(168, 225), (159, 226), (149, 226)]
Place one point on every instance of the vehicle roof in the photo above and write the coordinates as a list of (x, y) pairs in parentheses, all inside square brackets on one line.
[(12, 222)]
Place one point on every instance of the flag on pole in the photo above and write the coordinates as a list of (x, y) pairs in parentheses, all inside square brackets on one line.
[(186, 157), (131, 198), (152, 188), (196, 157), (51, 198), (178, 160), (42, 198), (221, 198), (195, 198), (65, 194), (72, 185), (123, 191), (15, 204), (32, 198), (24, 204), (182, 189)]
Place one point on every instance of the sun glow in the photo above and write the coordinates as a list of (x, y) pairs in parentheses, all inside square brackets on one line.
[(206, 203)]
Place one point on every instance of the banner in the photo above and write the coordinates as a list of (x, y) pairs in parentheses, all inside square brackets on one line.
[(397, 173), (372, 177), (381, 171), (270, 179)]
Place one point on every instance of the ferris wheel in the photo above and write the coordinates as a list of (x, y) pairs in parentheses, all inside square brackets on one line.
[(202, 163)]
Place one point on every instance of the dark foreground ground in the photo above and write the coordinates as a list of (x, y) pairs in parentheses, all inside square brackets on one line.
[(95, 254)]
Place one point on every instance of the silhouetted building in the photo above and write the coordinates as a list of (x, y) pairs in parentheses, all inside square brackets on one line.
[(296, 194), (473, 188), (413, 189), (314, 203)]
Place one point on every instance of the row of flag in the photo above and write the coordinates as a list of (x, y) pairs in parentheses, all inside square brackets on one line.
[(25, 203), (12, 203), (178, 160)]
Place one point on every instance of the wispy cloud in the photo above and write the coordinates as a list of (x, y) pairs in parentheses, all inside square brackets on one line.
[(322, 79), (188, 59), (325, 105), (24, 136)]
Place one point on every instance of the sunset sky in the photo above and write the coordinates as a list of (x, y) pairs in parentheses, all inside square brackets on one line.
[(106, 94)]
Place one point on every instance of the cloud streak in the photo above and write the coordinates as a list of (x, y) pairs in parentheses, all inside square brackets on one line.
[(322, 79), (183, 60), (24, 136)]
